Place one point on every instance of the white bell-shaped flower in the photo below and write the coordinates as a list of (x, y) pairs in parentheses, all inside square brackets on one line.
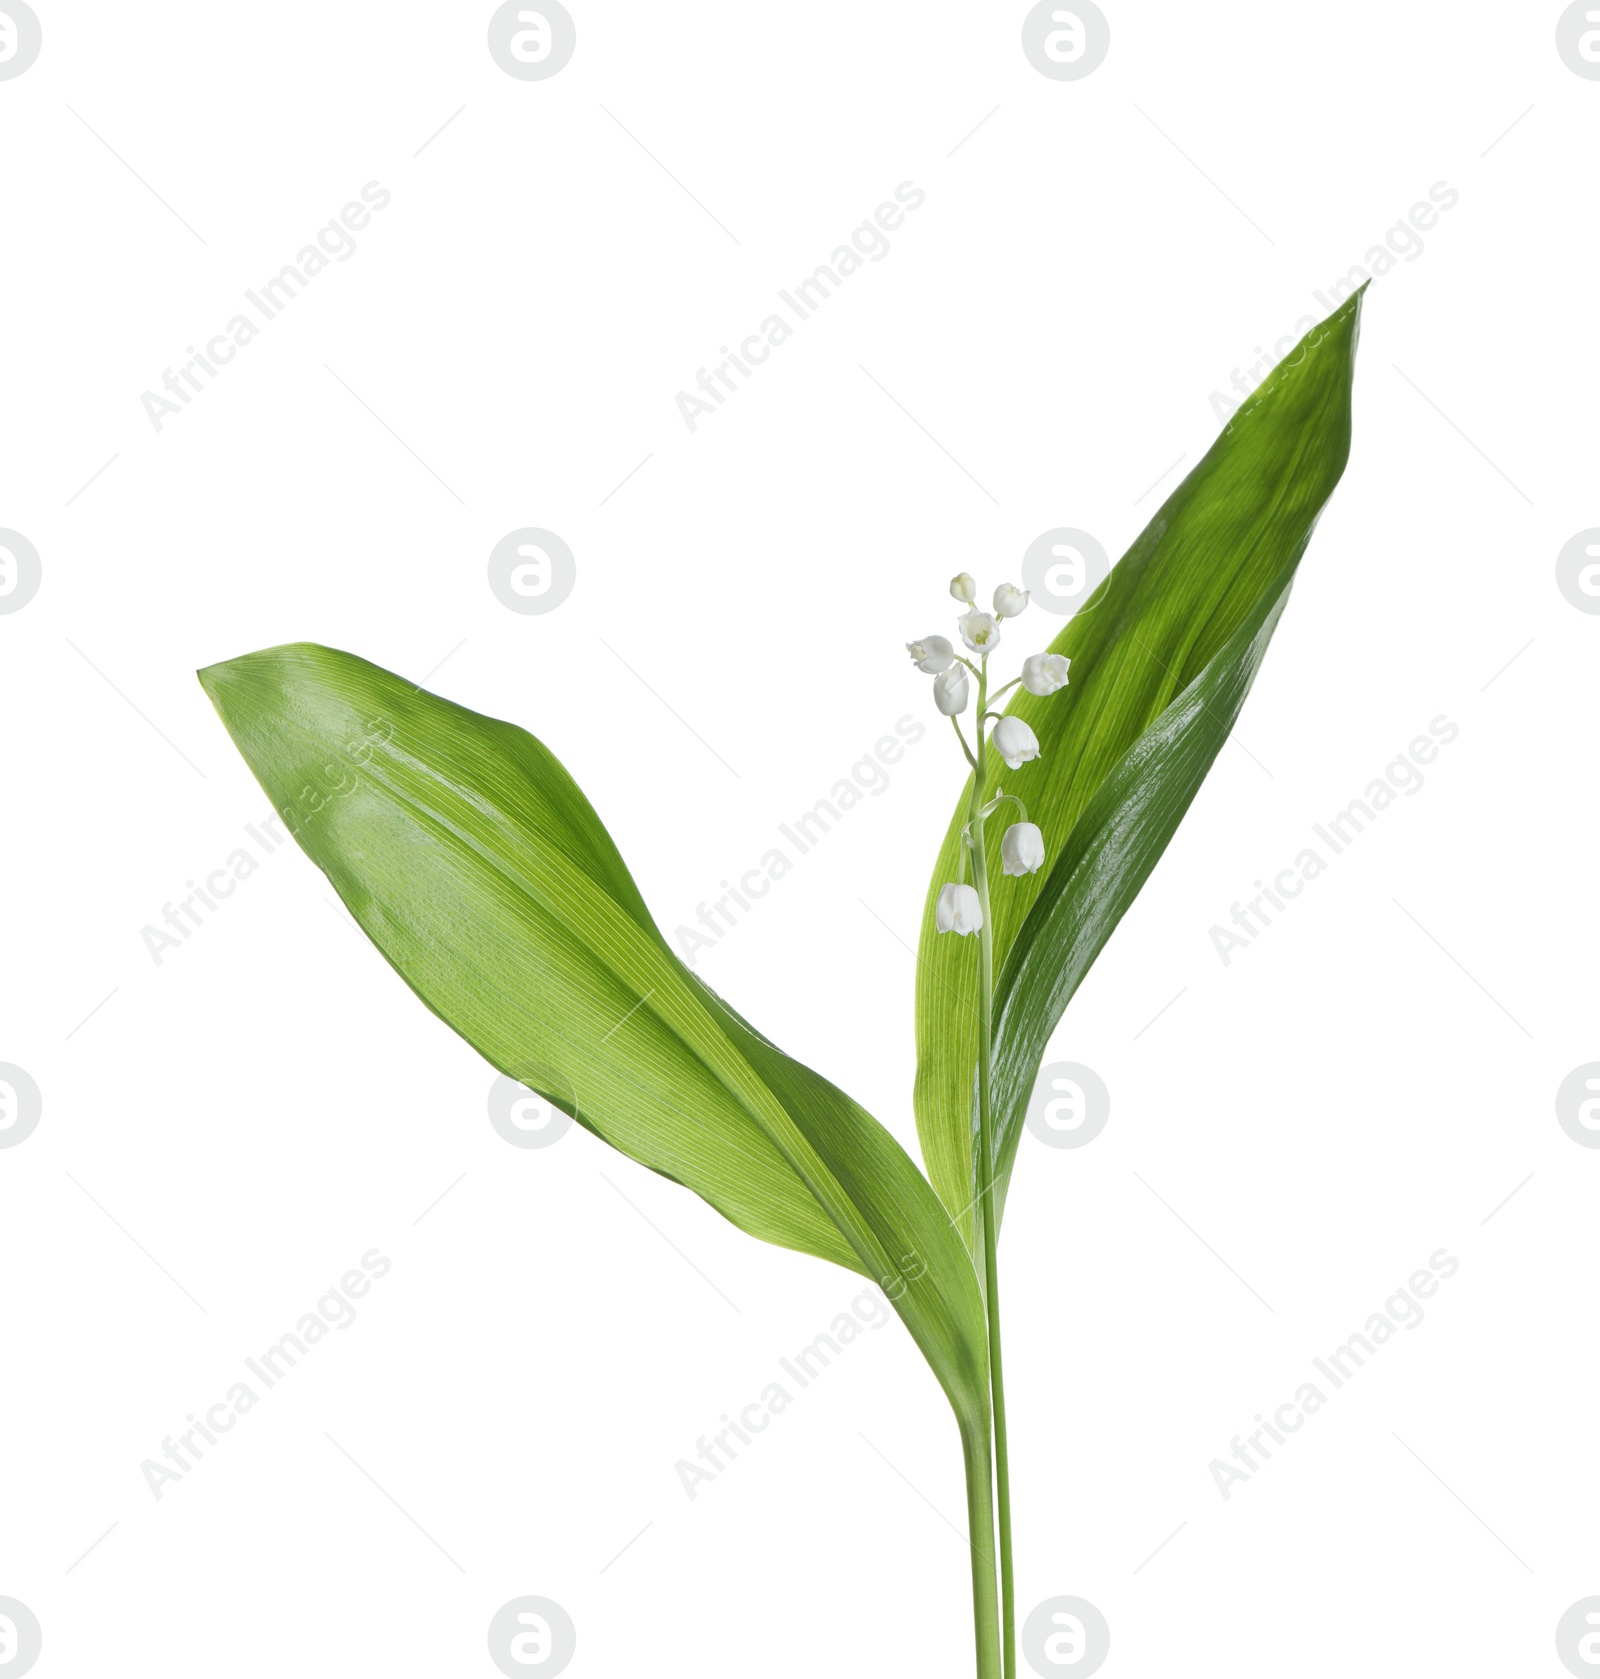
[(964, 587), (932, 654), (1044, 673), (980, 631), (1009, 600), (1015, 742), (1022, 848), (958, 910), (950, 691)]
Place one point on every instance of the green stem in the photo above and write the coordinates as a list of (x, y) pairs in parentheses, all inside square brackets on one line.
[(980, 875), (980, 1528), (956, 725), (1006, 799)]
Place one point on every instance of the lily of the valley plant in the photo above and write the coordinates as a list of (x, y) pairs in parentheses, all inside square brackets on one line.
[(471, 859)]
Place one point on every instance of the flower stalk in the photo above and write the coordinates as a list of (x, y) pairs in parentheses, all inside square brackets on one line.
[(965, 909), (986, 1210)]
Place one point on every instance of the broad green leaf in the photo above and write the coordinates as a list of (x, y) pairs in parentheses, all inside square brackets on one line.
[(1163, 654), (474, 863)]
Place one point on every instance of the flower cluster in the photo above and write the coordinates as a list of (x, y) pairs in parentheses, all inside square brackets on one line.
[(960, 907)]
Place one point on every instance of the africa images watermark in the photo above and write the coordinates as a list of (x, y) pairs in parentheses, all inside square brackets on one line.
[(1402, 1310), (1401, 243), (335, 1310), (335, 242), (182, 920), (868, 243), (869, 776), (1401, 775), (715, 1455)]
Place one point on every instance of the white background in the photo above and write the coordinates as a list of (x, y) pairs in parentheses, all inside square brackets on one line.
[(1362, 1086)]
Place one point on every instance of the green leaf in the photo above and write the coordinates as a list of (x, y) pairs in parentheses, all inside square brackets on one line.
[(1163, 654), (474, 863)]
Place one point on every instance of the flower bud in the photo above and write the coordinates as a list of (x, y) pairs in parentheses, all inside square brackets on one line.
[(964, 587), (958, 910), (1015, 742), (980, 632), (950, 691), (1022, 848), (932, 654), (1044, 673), (1009, 600)]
